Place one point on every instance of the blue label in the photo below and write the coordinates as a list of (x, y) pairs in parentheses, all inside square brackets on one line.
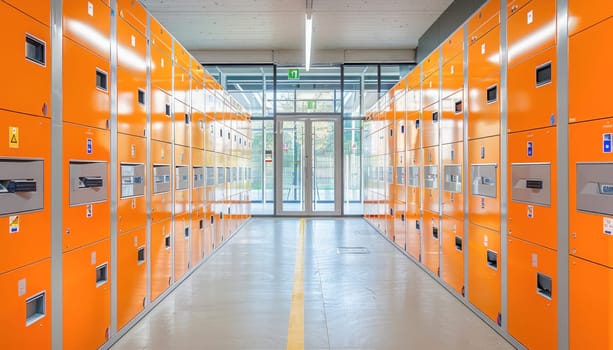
[(529, 148), (14, 229), (606, 143), (552, 119), (89, 146)]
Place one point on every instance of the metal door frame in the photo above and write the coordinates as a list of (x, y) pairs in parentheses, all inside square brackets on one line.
[(307, 183)]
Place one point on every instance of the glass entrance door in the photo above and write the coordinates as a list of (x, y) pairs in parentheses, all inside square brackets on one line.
[(308, 166)]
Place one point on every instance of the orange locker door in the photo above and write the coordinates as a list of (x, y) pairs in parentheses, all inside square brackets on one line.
[(482, 21), (452, 260), (159, 35), (181, 87), (453, 180), (134, 13), (182, 123), (531, 30), (454, 45), (431, 63), (453, 75), (26, 289), (161, 257), (431, 120), (39, 10), (591, 185), (585, 14), (484, 175), (431, 171), (131, 275), (161, 115), (161, 67), (430, 93), (532, 210), (484, 56), (161, 180), (21, 69), (131, 104), (432, 245), (87, 279), (483, 107), (198, 130), (131, 205), (89, 24), (532, 299), (484, 271), (182, 237), (25, 147), (452, 123), (131, 50), (197, 239)]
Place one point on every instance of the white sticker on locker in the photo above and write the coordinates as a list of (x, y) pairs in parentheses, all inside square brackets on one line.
[(452, 69), (531, 211), (483, 49), (133, 40), (93, 258), (90, 8), (21, 287), (136, 241), (133, 151), (607, 226), (530, 17), (162, 62), (535, 260), (485, 241), (89, 211), (14, 224)]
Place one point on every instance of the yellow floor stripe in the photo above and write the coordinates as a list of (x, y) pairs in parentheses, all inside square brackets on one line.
[(295, 333)]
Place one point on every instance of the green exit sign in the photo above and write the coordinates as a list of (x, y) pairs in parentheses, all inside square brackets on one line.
[(293, 74)]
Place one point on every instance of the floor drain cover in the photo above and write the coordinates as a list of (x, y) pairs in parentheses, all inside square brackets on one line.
[(351, 250)]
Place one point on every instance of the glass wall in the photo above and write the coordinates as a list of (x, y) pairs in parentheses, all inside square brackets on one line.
[(317, 91)]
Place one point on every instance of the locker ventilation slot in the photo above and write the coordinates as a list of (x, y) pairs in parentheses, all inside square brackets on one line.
[(492, 259), (534, 184), (543, 285), (141, 97), (167, 110), (16, 186), (35, 50), (141, 255), (102, 81), (543, 74), (101, 274), (167, 242), (35, 308), (492, 94), (458, 106), (458, 243), (435, 117), (435, 232), (201, 224)]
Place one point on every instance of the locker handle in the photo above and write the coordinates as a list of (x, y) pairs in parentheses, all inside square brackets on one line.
[(17, 186), (402, 129), (35, 50), (187, 119), (417, 124), (435, 232), (402, 217), (35, 308), (492, 259), (201, 224), (543, 285), (492, 94), (534, 184), (186, 232), (435, 117), (167, 242), (167, 110), (90, 182), (417, 225), (458, 243), (543, 74), (458, 107), (212, 219), (141, 97), (140, 258)]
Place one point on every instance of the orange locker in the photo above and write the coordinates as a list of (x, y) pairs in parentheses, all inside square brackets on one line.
[(484, 271), (134, 13), (182, 236), (484, 175), (25, 213), (182, 180), (413, 178), (131, 104), (86, 87), (582, 15), (26, 289), (482, 21), (209, 233), (161, 115), (89, 24), (531, 29), (431, 120), (197, 239), (532, 298), (131, 50), (590, 305), (431, 171), (432, 242), (453, 75), (453, 46), (413, 130), (198, 130), (452, 123), (22, 69), (399, 193), (452, 180), (160, 37), (431, 63), (589, 73), (513, 6), (131, 205), (181, 87), (182, 57), (430, 89), (452, 260), (39, 10), (131, 275), (199, 178), (161, 180), (484, 56), (161, 257), (86, 210), (400, 127), (532, 209), (591, 186), (87, 279), (483, 107), (161, 68), (532, 93), (182, 123)]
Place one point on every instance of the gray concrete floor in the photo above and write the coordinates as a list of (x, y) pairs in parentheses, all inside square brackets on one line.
[(240, 298)]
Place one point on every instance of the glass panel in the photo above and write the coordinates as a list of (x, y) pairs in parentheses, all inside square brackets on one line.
[(323, 164), (292, 149), (262, 167), (391, 74), (361, 89), (352, 141), (315, 91)]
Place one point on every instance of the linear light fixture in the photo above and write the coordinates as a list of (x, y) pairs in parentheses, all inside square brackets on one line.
[(308, 30)]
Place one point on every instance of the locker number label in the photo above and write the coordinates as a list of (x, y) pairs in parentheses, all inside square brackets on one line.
[(607, 226), (13, 137), (89, 211), (14, 224), (90, 8), (21, 287), (90, 146), (606, 142), (531, 212), (530, 17)]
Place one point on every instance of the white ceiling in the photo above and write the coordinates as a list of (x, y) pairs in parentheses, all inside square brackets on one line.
[(279, 24)]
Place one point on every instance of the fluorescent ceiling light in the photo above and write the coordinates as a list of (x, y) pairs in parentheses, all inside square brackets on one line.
[(308, 29)]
